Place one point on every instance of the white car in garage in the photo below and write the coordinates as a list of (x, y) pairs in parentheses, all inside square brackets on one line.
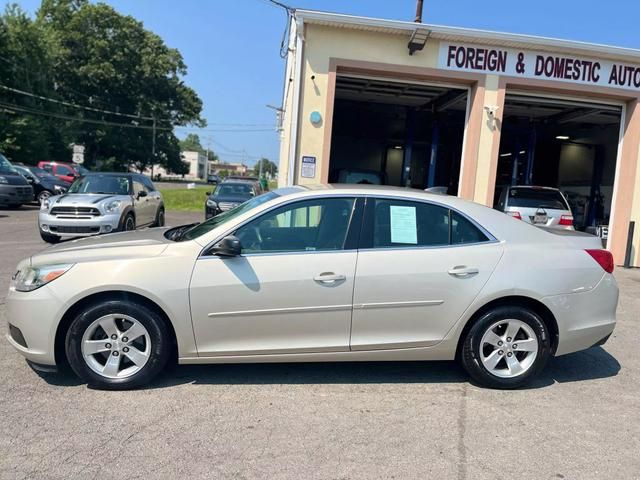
[(540, 206), (331, 273)]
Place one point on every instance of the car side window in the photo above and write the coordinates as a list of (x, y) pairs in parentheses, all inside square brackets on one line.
[(62, 170), (310, 225), (148, 184), (138, 187), (400, 223)]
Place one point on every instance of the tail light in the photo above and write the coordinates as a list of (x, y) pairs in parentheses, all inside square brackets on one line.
[(515, 215), (566, 220), (604, 259)]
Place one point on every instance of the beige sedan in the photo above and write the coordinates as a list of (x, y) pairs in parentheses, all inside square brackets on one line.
[(333, 273)]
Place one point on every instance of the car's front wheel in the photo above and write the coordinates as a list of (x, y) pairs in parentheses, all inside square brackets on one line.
[(506, 347), (117, 345), (44, 195), (159, 218)]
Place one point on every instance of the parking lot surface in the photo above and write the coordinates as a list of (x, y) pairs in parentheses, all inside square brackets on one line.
[(580, 420)]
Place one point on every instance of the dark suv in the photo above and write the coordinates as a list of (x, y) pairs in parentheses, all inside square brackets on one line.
[(14, 188), (229, 194)]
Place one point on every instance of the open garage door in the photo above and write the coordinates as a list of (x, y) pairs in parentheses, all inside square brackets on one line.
[(563, 143), (396, 133)]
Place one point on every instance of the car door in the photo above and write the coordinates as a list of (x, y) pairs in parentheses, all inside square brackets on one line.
[(420, 266), (145, 211), (65, 173), (290, 291)]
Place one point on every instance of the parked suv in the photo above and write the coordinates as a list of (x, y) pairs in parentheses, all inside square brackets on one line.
[(101, 203), (14, 188), (67, 172), (540, 206), (44, 184), (229, 194)]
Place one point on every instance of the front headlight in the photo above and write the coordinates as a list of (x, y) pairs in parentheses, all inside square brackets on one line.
[(44, 206), (211, 204), (31, 278), (4, 180), (112, 206), (60, 189)]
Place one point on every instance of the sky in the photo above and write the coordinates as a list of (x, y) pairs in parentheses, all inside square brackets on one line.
[(231, 47)]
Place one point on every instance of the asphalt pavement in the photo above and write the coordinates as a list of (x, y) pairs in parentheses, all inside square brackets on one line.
[(579, 420)]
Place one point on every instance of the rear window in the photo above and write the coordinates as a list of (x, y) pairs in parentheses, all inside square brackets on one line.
[(534, 198)]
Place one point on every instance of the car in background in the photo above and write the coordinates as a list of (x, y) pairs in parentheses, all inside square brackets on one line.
[(67, 172), (44, 184), (101, 203), (243, 177), (14, 188), (229, 194), (212, 178), (540, 206), (335, 273)]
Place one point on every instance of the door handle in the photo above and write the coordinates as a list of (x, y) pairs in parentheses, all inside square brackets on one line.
[(329, 278), (462, 271)]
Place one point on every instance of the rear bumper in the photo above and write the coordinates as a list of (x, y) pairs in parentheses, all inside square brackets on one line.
[(585, 319)]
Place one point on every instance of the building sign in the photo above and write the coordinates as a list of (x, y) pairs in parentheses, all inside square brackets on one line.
[(308, 169), (539, 65)]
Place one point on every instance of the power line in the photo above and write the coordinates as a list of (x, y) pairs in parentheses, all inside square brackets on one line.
[(73, 105)]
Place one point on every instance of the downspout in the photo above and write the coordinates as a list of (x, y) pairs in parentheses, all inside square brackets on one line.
[(295, 107)]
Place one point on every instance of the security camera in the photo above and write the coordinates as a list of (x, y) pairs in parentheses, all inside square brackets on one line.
[(491, 110)]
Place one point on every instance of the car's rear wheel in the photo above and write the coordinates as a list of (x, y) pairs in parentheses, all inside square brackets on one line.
[(117, 345), (159, 218), (506, 347), (47, 237)]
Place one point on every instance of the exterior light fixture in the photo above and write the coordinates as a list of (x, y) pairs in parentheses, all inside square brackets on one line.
[(562, 137), (418, 40), (522, 152), (398, 147), (505, 154)]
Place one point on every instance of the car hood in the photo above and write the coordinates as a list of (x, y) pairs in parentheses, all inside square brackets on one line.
[(83, 199), (138, 244), (230, 198), (14, 179)]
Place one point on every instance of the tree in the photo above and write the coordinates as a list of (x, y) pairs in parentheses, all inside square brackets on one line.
[(90, 55), (191, 143), (269, 168)]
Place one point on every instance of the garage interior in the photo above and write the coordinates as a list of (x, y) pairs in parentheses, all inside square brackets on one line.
[(562, 143), (396, 133)]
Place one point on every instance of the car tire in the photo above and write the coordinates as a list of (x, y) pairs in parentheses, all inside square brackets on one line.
[(120, 363), (159, 218), (128, 223), (496, 359), (43, 195), (47, 237)]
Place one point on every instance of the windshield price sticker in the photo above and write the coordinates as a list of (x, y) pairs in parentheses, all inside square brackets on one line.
[(539, 65)]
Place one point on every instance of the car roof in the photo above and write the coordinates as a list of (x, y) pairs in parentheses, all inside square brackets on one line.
[(534, 187)]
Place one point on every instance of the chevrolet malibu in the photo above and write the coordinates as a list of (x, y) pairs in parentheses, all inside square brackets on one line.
[(331, 273)]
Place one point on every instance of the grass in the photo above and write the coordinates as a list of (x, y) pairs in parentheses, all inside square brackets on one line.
[(185, 200)]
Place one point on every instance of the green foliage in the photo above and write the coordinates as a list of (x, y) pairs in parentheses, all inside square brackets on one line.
[(89, 54), (191, 143), (269, 168)]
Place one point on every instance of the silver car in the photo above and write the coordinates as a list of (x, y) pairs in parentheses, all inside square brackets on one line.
[(540, 206), (101, 203), (343, 273)]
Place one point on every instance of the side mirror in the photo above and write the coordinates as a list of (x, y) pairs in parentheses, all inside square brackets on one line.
[(229, 246), (142, 193)]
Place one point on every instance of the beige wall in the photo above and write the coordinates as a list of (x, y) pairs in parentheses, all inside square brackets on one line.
[(384, 54)]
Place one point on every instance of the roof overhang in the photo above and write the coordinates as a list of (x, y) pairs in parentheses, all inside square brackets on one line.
[(468, 35)]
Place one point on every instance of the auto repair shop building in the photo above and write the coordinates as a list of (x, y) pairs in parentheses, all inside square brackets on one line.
[(419, 105)]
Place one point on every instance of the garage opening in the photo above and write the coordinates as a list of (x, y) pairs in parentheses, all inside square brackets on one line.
[(566, 144), (395, 133)]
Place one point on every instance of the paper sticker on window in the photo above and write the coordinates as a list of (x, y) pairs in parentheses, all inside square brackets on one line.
[(404, 228)]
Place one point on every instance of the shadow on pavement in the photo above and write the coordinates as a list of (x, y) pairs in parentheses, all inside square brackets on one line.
[(592, 364)]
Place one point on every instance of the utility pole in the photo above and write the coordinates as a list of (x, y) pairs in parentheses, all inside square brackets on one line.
[(418, 18), (153, 146)]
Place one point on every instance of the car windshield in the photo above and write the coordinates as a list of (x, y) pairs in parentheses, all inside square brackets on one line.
[(6, 167), (244, 190), (113, 184), (536, 198), (39, 172), (224, 217)]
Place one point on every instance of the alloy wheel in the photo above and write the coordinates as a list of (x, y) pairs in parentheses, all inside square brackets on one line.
[(129, 224), (116, 346), (44, 195), (508, 348)]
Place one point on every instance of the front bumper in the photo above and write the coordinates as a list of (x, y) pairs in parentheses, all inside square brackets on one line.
[(15, 194), (585, 319), (78, 227), (35, 315)]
